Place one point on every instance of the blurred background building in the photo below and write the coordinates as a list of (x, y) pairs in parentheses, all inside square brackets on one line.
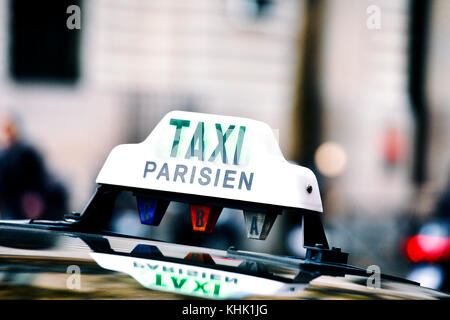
[(357, 90)]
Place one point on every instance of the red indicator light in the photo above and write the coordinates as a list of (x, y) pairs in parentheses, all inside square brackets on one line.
[(204, 218), (200, 257)]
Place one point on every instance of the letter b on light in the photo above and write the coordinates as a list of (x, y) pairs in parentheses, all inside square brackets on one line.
[(199, 218), (74, 280)]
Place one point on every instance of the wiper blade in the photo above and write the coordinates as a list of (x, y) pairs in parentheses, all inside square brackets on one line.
[(313, 268), (314, 255), (232, 252)]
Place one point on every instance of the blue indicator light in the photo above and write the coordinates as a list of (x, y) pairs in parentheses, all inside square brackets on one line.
[(146, 251), (151, 211)]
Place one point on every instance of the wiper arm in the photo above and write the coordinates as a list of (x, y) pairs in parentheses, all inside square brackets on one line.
[(232, 252), (314, 255), (313, 263)]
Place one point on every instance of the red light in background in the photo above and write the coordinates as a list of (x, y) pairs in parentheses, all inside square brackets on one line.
[(393, 146), (428, 248)]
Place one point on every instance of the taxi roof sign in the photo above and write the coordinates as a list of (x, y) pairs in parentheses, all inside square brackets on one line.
[(213, 156)]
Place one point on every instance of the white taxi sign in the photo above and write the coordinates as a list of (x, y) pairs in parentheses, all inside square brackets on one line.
[(213, 156)]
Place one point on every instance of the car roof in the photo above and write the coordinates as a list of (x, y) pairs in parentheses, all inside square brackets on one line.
[(42, 250)]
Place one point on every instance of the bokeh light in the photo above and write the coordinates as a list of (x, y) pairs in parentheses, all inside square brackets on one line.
[(331, 159)]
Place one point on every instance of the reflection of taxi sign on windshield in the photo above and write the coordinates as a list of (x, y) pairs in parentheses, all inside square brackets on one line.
[(212, 162)]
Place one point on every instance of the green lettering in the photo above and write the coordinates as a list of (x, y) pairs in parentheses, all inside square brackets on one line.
[(221, 139), (176, 284), (176, 140), (200, 286), (216, 289), (159, 281), (240, 141), (197, 139)]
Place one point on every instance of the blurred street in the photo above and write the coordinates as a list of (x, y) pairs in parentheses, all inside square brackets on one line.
[(355, 90)]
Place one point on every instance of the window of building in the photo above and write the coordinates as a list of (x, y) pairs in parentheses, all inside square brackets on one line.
[(42, 48)]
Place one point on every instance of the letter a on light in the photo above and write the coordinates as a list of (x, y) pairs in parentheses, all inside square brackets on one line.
[(374, 20), (74, 20), (74, 280)]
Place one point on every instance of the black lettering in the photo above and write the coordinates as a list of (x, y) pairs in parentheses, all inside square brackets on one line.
[(179, 173), (152, 267), (148, 211), (216, 181), (147, 169), (248, 182), (254, 227), (205, 176), (215, 277), (235, 280), (168, 269), (164, 172), (176, 140), (199, 218), (227, 178), (192, 273), (192, 174)]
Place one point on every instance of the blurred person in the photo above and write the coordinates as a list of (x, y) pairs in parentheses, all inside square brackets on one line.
[(27, 190)]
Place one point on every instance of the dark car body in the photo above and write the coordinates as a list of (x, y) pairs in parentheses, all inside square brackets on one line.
[(50, 261)]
